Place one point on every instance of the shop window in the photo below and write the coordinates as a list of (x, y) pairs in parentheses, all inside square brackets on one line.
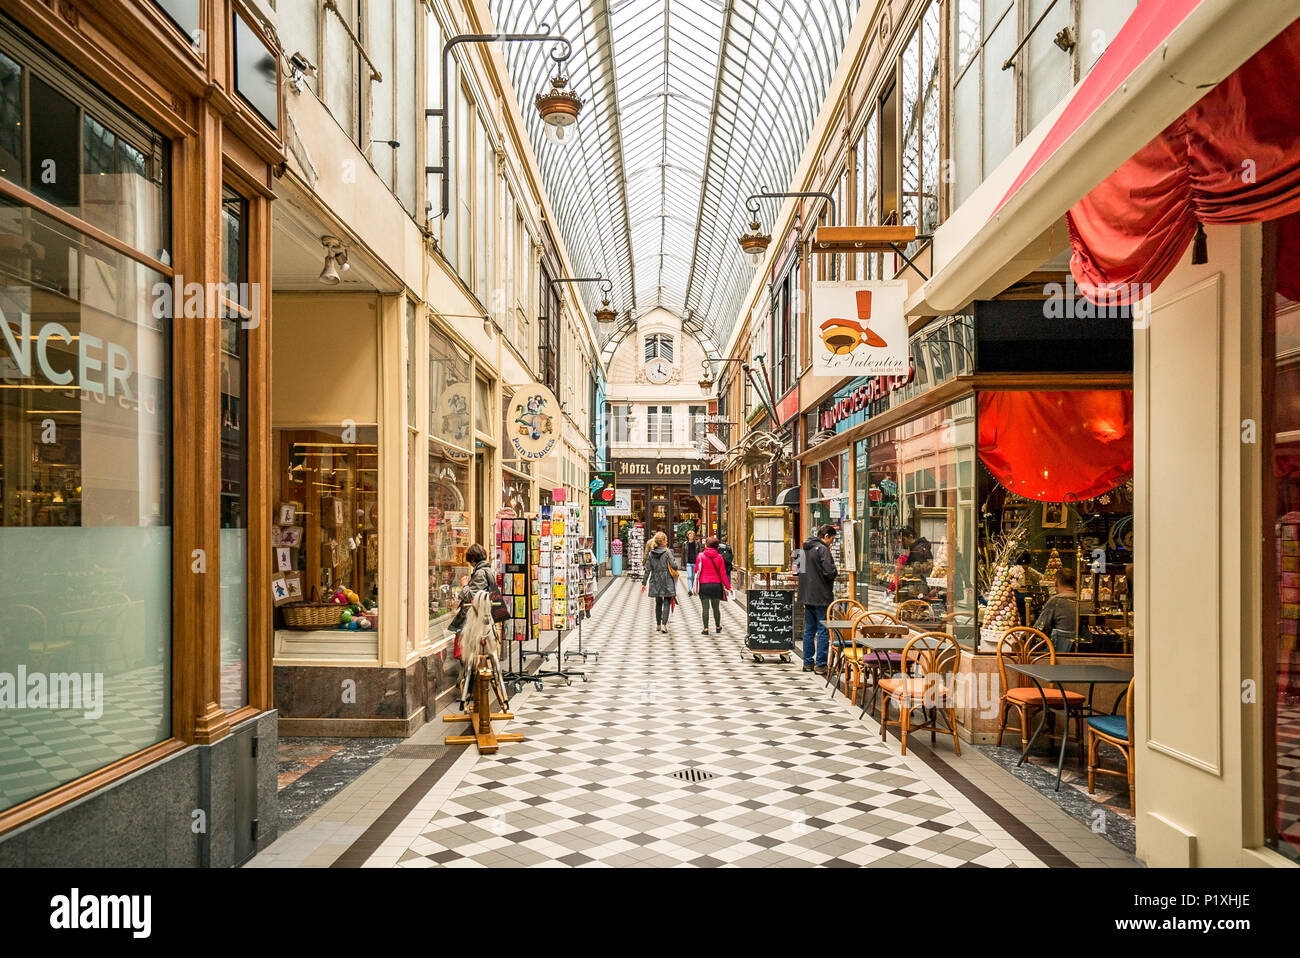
[(257, 76), (82, 151), (920, 132), (85, 503), (234, 461), (868, 157), (916, 533), (993, 109), (1059, 504), (11, 117), (483, 406), (54, 120), (184, 13), (449, 533), (889, 205), (338, 65), (449, 395), (327, 528)]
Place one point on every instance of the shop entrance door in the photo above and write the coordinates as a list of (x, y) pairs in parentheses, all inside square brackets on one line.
[(657, 519)]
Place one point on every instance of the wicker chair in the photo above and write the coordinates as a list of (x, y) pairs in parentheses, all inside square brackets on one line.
[(930, 663), (1118, 732), (1022, 645), (841, 610)]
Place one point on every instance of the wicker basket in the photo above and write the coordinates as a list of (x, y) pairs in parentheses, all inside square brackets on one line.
[(309, 616)]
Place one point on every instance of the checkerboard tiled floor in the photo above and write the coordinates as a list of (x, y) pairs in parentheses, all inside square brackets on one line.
[(792, 778)]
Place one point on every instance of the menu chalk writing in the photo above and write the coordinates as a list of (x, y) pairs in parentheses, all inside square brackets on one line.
[(770, 620)]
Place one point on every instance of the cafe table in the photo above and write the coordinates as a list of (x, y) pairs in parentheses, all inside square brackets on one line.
[(880, 648), (1059, 675)]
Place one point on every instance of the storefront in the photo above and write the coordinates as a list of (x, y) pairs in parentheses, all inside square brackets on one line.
[(133, 412), (962, 487), (659, 491)]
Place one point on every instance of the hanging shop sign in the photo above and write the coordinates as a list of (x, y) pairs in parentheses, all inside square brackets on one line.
[(602, 488), (653, 469), (534, 432), (874, 389), (622, 504), (859, 328), (706, 482)]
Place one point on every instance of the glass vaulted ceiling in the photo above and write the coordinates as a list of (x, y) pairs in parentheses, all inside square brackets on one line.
[(691, 105)]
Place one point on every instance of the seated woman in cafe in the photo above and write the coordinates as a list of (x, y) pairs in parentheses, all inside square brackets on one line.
[(1060, 616)]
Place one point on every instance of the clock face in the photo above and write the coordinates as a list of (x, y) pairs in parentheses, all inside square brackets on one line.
[(658, 372)]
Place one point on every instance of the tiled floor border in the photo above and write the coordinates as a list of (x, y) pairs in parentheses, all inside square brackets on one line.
[(1043, 850)]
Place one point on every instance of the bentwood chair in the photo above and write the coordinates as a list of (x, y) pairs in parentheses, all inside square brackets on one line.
[(927, 682), (914, 610), (871, 663), (1021, 645), (1117, 731), (841, 610)]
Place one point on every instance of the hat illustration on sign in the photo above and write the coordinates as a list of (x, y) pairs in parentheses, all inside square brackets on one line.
[(845, 335)]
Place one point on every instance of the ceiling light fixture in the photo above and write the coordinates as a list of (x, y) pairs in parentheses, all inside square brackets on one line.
[(755, 242), (606, 313), (336, 257), (558, 108)]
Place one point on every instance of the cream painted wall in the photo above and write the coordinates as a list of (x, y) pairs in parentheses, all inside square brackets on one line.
[(324, 359), (1196, 378)]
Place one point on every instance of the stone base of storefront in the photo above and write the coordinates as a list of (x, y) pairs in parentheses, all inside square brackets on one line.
[(208, 806), (352, 702)]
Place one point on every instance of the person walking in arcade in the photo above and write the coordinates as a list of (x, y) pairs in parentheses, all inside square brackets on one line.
[(817, 574), (661, 580), (712, 583)]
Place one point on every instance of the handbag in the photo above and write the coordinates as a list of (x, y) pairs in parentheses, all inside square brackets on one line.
[(499, 611), (714, 563), (458, 622)]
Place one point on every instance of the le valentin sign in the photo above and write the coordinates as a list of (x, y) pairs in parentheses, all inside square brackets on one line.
[(858, 328)]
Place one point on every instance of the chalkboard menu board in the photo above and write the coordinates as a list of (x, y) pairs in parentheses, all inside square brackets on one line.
[(770, 620)]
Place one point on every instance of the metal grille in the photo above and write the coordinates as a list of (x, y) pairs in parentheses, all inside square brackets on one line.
[(693, 775)]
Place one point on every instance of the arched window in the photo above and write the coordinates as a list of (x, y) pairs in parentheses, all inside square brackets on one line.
[(659, 346)]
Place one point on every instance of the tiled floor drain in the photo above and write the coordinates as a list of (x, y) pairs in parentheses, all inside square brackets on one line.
[(693, 775)]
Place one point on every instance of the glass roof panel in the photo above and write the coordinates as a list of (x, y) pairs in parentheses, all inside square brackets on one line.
[(690, 105)]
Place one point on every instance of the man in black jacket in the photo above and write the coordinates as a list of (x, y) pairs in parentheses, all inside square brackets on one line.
[(817, 574)]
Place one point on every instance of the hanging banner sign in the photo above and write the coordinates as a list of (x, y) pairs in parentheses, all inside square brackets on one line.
[(859, 328), (622, 504), (602, 489), (707, 482), (534, 426)]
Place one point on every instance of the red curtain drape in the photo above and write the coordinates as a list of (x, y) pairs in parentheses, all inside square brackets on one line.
[(1234, 157), (1057, 446)]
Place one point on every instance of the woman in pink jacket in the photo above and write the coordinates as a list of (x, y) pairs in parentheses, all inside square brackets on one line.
[(711, 582)]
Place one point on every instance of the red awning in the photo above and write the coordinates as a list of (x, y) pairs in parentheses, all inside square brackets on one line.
[(1234, 157), (1146, 28), (1057, 446)]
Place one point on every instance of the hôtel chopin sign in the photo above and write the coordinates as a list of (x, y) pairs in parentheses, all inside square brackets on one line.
[(633, 469)]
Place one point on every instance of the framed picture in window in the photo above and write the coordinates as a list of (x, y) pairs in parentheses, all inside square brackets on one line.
[(291, 536), (283, 559), (293, 583), (287, 514), (280, 591), (1055, 516)]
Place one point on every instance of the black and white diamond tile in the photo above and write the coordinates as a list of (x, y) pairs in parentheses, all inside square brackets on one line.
[(797, 780)]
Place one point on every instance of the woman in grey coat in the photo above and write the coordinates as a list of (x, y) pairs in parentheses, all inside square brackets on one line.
[(480, 578), (660, 583)]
